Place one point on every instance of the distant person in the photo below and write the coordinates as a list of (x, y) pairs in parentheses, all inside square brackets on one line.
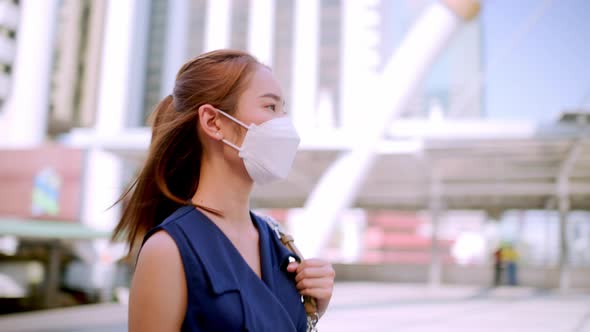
[(207, 263), (510, 257), (498, 267)]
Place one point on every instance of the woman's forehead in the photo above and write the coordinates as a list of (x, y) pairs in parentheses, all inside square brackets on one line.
[(264, 82)]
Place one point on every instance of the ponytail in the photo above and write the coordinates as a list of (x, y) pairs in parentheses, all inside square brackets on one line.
[(169, 177)]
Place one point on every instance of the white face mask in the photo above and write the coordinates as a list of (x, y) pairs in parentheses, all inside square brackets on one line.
[(268, 149)]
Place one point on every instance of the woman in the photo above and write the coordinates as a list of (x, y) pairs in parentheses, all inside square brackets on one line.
[(206, 262)]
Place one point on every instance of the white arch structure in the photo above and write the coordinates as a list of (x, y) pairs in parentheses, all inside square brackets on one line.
[(400, 78)]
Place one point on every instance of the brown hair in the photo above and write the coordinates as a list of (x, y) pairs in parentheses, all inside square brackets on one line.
[(170, 175)]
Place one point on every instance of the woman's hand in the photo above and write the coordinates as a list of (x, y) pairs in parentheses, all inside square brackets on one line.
[(314, 277)]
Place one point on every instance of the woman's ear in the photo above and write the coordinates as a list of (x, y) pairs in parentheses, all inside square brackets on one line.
[(209, 120)]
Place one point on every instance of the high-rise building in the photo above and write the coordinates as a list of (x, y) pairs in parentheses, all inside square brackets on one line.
[(353, 41), (9, 15)]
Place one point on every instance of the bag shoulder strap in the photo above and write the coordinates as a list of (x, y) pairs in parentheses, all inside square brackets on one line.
[(309, 303), (286, 239)]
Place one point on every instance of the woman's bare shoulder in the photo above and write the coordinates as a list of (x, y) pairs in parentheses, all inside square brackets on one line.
[(158, 286), (159, 245), (160, 253)]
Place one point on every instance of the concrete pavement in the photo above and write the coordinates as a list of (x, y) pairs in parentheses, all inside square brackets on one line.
[(376, 307)]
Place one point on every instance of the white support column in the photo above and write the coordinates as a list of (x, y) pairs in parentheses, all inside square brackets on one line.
[(563, 203), (305, 63), (550, 208), (137, 66), (218, 24), (92, 59), (116, 64), (261, 30), (435, 207), (359, 58), (176, 50), (66, 65), (103, 176), (353, 223), (26, 109)]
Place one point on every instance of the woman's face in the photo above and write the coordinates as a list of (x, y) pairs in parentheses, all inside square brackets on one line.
[(261, 101)]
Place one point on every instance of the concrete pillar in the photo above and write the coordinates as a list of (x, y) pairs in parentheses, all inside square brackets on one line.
[(103, 177), (352, 224), (52, 280), (66, 65), (176, 49), (563, 203), (27, 107), (360, 58), (550, 207), (218, 24), (305, 63), (261, 30), (435, 208), (89, 97)]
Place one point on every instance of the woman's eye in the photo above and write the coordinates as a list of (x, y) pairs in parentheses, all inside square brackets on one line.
[(272, 107)]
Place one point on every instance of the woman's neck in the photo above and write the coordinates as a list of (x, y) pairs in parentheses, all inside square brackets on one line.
[(220, 188)]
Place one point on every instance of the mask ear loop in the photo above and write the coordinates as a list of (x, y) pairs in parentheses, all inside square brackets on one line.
[(233, 119), (236, 121), (232, 145)]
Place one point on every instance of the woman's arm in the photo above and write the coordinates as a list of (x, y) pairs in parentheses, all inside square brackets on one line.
[(157, 299)]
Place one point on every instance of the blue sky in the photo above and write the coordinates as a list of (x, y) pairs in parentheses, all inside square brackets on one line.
[(548, 71)]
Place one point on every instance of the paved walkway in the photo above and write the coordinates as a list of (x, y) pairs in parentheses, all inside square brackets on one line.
[(363, 307), (458, 309)]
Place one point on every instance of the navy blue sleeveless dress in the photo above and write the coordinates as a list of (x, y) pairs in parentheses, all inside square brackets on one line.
[(224, 293)]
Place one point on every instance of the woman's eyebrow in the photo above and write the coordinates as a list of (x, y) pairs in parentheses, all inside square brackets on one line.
[(273, 96)]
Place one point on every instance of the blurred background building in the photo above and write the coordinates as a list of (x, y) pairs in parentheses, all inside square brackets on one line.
[(489, 151)]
